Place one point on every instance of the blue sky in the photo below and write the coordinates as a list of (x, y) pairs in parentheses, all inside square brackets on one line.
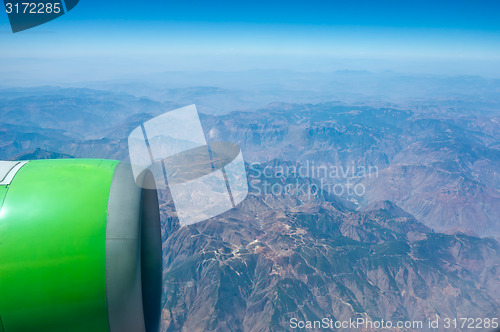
[(459, 14), (132, 37)]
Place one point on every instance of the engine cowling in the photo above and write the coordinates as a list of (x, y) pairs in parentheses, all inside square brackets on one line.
[(80, 248)]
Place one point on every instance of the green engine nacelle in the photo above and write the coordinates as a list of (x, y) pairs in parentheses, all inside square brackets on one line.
[(80, 248)]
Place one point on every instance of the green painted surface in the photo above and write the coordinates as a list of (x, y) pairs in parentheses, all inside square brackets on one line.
[(3, 192), (52, 247)]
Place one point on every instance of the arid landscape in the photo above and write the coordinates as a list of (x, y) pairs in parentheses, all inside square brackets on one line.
[(417, 238)]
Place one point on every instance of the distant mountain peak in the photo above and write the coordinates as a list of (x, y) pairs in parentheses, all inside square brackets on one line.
[(41, 154), (388, 206)]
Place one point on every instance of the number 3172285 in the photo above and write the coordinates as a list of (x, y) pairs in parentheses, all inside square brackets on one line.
[(33, 8)]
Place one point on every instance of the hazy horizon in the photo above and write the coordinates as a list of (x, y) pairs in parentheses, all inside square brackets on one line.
[(123, 40)]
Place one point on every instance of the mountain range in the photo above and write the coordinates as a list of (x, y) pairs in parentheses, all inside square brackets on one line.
[(419, 241)]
